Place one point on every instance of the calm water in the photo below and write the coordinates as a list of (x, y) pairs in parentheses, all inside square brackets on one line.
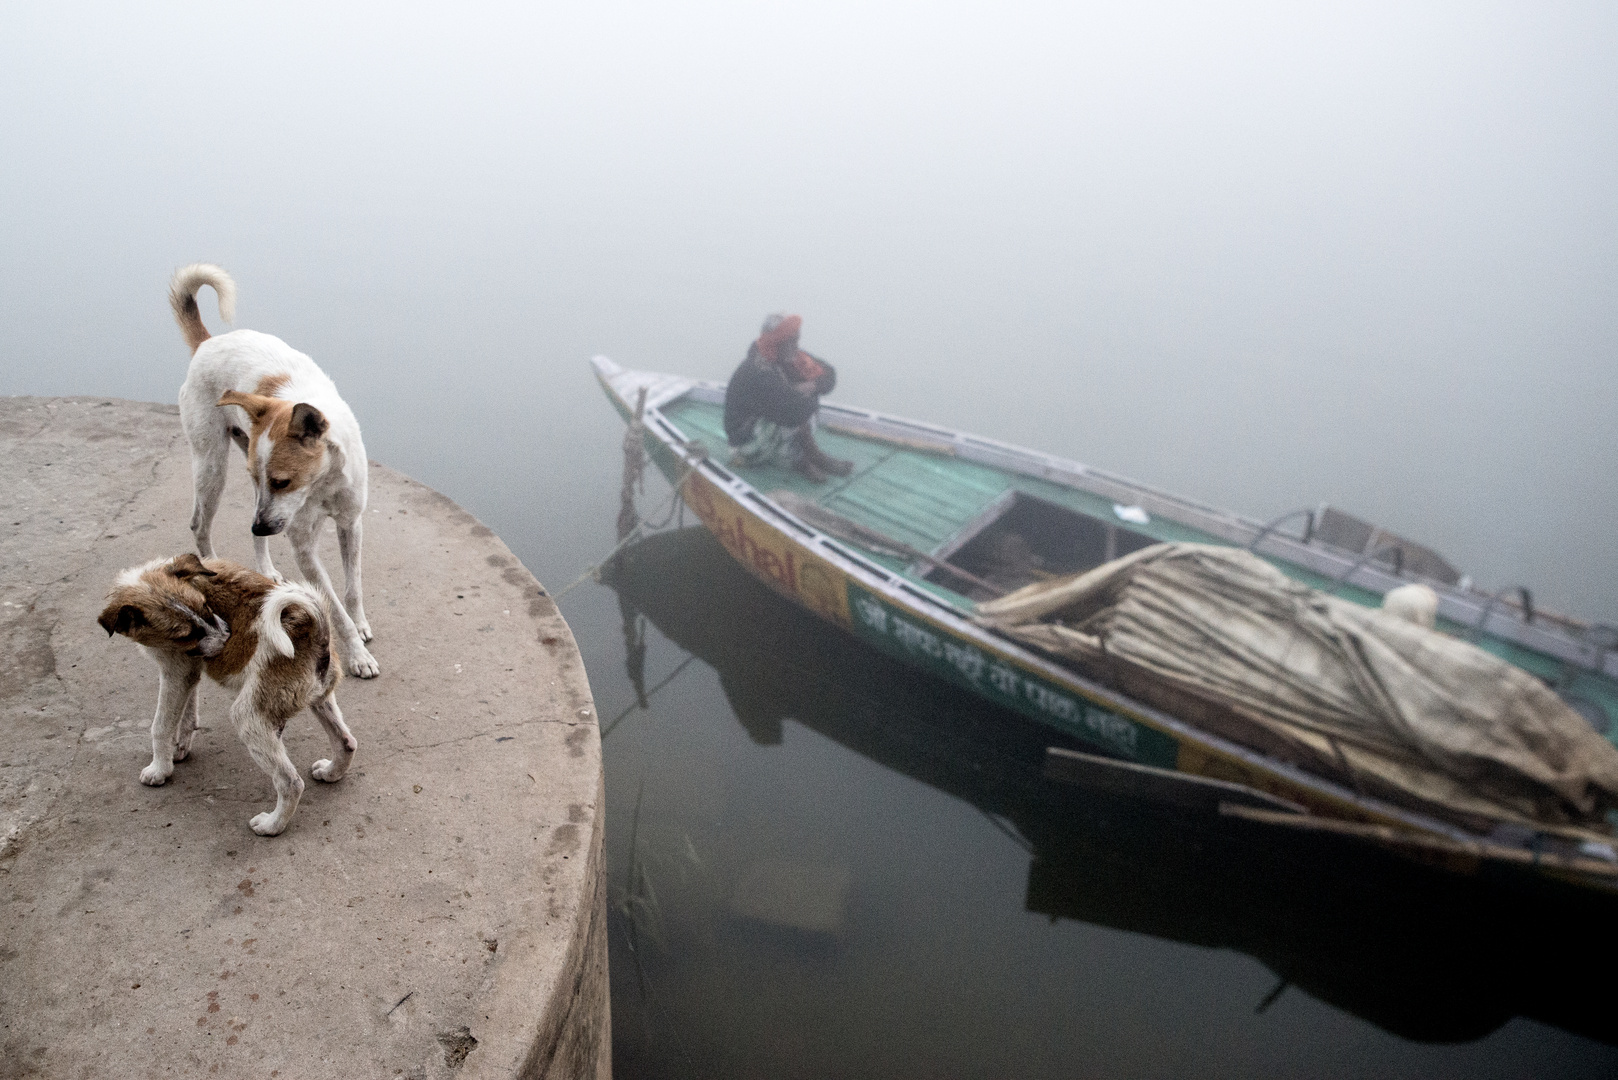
[(824, 864), (1260, 255)]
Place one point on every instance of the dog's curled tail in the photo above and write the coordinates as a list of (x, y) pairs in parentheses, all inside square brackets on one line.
[(271, 634), (183, 288)]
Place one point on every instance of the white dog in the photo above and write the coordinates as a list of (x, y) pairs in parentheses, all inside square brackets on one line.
[(270, 643), (302, 444)]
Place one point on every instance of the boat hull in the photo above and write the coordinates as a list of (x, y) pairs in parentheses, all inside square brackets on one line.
[(802, 572), (895, 617), (910, 633)]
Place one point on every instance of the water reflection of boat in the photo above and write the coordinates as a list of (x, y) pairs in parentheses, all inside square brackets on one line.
[(898, 555), (1424, 954)]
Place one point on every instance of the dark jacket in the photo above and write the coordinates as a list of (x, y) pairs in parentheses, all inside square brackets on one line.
[(761, 392)]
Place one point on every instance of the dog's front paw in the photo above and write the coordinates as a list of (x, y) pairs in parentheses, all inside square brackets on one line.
[(323, 770), (182, 751), (154, 775), (363, 625), (362, 664), (267, 824)]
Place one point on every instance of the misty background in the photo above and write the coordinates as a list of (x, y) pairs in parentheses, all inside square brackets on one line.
[(1265, 256)]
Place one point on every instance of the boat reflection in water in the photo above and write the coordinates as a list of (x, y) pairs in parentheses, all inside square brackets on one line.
[(1428, 956)]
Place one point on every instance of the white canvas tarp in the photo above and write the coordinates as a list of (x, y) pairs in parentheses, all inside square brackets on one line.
[(1221, 638)]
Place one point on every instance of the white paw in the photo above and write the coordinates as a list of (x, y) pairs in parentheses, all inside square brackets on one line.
[(181, 753), (154, 775), (325, 771), (266, 824), (361, 663), (363, 625)]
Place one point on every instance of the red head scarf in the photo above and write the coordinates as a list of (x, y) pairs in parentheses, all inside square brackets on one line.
[(800, 366), (770, 341)]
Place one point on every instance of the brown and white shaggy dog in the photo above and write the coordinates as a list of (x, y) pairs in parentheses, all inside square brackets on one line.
[(272, 643)]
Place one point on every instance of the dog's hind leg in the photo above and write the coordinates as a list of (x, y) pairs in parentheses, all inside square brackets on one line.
[(359, 658), (343, 743), (264, 744), (208, 462), (348, 542), (176, 688)]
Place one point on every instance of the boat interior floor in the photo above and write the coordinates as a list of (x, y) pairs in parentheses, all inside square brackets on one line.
[(1008, 529)]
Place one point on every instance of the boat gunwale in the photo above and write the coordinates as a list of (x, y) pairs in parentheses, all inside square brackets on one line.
[(958, 623), (1459, 606)]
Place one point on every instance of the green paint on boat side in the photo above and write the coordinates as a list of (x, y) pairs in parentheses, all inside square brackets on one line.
[(901, 634)]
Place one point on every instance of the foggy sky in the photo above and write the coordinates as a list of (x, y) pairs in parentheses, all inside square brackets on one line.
[(1264, 256)]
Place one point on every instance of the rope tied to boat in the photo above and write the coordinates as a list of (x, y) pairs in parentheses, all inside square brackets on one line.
[(631, 524), (634, 468)]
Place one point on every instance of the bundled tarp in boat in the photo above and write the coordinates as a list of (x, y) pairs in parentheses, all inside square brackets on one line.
[(1222, 639)]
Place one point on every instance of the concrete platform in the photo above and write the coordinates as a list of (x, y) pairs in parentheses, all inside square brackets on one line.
[(439, 912)]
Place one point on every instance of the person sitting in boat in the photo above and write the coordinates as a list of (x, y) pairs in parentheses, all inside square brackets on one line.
[(771, 402)]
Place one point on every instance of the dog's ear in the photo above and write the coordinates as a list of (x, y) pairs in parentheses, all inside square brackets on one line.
[(121, 619), (255, 404), (187, 566), (307, 423)]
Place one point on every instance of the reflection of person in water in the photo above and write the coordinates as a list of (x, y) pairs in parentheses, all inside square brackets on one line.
[(771, 402)]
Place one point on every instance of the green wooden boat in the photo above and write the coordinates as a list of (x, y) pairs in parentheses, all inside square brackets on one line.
[(932, 521)]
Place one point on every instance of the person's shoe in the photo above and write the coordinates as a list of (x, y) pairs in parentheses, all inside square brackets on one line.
[(822, 460), (810, 469), (835, 466)]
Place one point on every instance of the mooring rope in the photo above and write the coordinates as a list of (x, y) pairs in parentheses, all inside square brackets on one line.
[(646, 705), (640, 530), (632, 526), (634, 467)]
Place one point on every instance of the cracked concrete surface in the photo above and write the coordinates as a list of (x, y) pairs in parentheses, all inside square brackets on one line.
[(437, 913)]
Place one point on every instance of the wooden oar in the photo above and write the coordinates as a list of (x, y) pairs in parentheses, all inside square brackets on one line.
[(846, 529), (1394, 837)]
